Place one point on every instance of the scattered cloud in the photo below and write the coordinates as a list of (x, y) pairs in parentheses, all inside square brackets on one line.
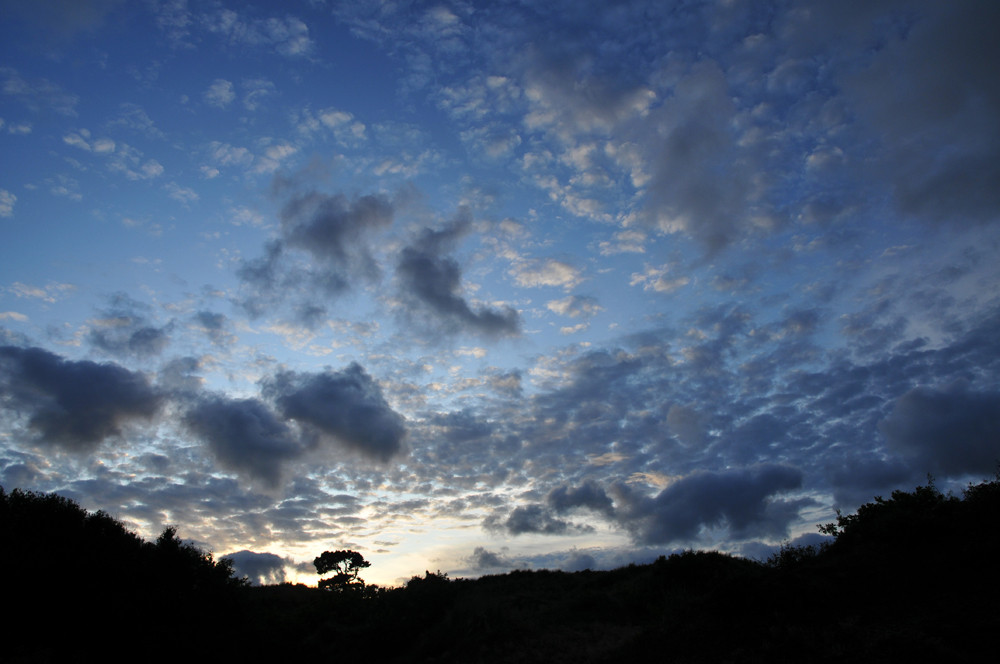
[(73, 405), (7, 201), (346, 406), (430, 285), (261, 569), (220, 93)]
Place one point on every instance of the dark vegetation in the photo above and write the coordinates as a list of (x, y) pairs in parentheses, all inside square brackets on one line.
[(909, 578)]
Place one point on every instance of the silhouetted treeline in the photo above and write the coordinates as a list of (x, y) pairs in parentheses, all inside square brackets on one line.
[(93, 587), (911, 577)]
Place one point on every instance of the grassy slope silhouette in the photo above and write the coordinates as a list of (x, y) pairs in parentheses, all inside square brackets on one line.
[(911, 576)]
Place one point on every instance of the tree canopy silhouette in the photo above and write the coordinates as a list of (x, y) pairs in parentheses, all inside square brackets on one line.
[(346, 565)]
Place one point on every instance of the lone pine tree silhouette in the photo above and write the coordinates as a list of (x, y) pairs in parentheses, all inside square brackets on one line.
[(346, 564)]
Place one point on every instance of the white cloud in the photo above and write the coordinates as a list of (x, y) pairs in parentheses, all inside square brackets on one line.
[(103, 146), (658, 279), (288, 36), (273, 156), (50, 293), (257, 90), (78, 139), (574, 306), (220, 94), (185, 195), (573, 329), (225, 154), (13, 315), (7, 201), (244, 216), (548, 272), (152, 169), (82, 139), (623, 242), (128, 161)]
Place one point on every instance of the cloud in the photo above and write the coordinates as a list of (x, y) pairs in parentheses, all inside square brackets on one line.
[(575, 306), (483, 560), (288, 36), (930, 99), (347, 406), (742, 499), (225, 154), (656, 279), (334, 229), (82, 139), (50, 293), (322, 250), (215, 326), (531, 519), (7, 201), (946, 431), (687, 424), (257, 91), (38, 94), (184, 195), (624, 242), (75, 405), (220, 93), (245, 436), (178, 376), (588, 495), (259, 568), (123, 330), (702, 182), (546, 272), (430, 285)]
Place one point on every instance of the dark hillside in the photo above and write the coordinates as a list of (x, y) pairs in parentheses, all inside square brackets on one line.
[(909, 577), (92, 586)]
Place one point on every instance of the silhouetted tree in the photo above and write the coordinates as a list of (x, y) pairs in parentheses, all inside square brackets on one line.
[(346, 565)]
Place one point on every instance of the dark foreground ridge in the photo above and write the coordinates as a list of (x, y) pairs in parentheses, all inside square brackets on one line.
[(913, 577)]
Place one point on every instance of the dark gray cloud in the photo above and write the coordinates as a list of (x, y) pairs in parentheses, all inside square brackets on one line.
[(588, 495), (578, 561), (124, 330), (704, 182), (532, 519), (948, 431), (484, 560), (259, 568), (430, 282), (245, 436), (742, 499), (334, 229), (73, 404), (178, 376), (322, 250), (345, 405), (931, 95), (215, 327)]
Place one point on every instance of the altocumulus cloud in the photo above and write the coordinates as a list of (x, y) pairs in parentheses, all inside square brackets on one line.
[(743, 499), (948, 431), (245, 436), (323, 246), (259, 568), (74, 405), (430, 285), (346, 406)]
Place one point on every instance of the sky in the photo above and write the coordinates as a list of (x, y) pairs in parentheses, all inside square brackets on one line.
[(476, 286)]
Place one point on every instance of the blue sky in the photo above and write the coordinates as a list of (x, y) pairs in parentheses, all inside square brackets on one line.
[(480, 286)]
